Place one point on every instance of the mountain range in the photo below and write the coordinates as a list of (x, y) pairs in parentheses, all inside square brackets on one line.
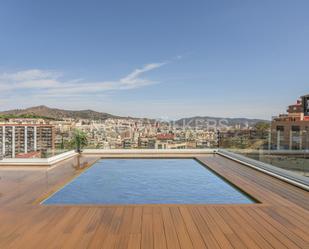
[(58, 114)]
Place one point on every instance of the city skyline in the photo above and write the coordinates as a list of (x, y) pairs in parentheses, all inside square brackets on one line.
[(155, 60), (41, 131)]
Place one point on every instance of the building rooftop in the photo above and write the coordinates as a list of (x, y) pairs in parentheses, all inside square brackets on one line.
[(165, 136), (280, 220)]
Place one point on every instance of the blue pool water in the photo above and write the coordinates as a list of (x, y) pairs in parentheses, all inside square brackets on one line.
[(148, 181)]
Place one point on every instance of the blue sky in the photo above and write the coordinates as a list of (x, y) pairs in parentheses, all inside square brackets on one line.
[(163, 59)]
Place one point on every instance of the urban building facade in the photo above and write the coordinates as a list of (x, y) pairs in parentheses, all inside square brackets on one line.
[(26, 140), (291, 130)]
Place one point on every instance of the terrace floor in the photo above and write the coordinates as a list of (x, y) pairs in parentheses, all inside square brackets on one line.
[(280, 221)]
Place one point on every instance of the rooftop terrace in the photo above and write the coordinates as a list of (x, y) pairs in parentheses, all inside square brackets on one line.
[(280, 220)]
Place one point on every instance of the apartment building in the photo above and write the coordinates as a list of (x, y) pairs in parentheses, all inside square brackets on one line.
[(21, 140), (291, 130), (146, 143)]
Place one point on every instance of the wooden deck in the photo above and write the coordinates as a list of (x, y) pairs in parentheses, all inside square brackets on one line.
[(280, 221)]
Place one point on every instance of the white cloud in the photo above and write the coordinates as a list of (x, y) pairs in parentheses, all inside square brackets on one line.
[(32, 74), (132, 79), (51, 83)]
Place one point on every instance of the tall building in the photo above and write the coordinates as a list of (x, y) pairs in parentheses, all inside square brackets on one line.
[(291, 130), (21, 140)]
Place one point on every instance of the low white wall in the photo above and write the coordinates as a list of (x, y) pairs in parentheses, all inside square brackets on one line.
[(37, 161), (146, 152), (104, 153)]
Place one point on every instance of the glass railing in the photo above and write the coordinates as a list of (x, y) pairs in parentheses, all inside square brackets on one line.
[(292, 160), (51, 153), (290, 153)]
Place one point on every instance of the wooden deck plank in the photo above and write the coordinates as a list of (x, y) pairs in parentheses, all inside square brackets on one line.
[(111, 238), (284, 229), (262, 229), (124, 233), (197, 239), (226, 229), (273, 230), (181, 229), (170, 230), (301, 222), (147, 229), (253, 230), (298, 228), (214, 229), (135, 236), (101, 229), (204, 229), (158, 229), (239, 228)]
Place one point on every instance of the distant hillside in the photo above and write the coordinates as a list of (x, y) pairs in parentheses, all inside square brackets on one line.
[(193, 121), (53, 113), (31, 116), (58, 114)]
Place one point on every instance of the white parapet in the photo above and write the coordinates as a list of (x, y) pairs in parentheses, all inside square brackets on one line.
[(106, 153), (37, 161), (147, 152)]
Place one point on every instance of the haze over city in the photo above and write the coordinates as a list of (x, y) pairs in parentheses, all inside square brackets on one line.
[(148, 59)]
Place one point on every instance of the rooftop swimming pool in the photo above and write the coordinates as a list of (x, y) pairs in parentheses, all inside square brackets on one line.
[(148, 181)]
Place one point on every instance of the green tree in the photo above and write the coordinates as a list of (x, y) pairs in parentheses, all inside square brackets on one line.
[(262, 129), (79, 140)]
